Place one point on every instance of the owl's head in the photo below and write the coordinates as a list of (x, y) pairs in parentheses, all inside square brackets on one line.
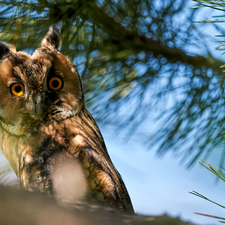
[(38, 88)]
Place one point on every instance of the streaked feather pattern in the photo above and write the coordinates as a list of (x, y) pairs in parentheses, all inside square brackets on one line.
[(48, 124)]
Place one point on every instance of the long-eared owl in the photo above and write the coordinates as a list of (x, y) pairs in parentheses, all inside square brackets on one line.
[(43, 115)]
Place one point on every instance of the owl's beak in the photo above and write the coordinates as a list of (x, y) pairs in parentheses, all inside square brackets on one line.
[(40, 106), (40, 110)]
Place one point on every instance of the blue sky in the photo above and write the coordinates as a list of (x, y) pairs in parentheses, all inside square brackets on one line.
[(162, 185)]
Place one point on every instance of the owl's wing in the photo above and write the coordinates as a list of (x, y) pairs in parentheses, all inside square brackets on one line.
[(104, 181)]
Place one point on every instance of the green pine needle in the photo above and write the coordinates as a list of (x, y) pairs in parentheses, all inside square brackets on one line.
[(222, 177)]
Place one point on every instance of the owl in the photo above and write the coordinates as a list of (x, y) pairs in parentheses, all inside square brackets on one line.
[(43, 115)]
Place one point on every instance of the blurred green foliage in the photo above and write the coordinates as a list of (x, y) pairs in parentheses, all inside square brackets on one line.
[(135, 60)]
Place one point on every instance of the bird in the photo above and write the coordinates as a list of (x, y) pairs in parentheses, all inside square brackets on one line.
[(44, 122)]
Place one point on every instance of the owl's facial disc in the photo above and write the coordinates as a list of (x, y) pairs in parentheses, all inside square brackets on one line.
[(15, 129), (38, 89)]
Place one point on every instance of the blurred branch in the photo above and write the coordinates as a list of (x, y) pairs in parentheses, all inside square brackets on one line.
[(36, 209), (141, 43), (134, 41)]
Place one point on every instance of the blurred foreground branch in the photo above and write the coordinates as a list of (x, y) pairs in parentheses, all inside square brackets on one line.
[(23, 208)]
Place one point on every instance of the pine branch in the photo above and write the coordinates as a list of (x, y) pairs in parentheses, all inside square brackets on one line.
[(134, 42), (22, 208)]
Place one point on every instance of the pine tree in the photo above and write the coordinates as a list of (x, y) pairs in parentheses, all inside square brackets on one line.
[(135, 54)]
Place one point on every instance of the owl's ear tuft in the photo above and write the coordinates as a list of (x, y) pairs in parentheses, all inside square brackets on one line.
[(52, 39), (6, 49)]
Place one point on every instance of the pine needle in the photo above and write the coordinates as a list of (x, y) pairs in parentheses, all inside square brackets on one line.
[(222, 177), (217, 217)]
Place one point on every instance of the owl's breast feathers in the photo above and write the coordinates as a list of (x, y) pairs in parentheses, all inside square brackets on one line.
[(78, 136)]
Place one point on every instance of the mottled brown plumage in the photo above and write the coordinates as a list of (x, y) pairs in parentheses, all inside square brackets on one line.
[(43, 115)]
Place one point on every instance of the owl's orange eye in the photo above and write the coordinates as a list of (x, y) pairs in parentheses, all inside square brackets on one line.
[(55, 83), (17, 89)]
